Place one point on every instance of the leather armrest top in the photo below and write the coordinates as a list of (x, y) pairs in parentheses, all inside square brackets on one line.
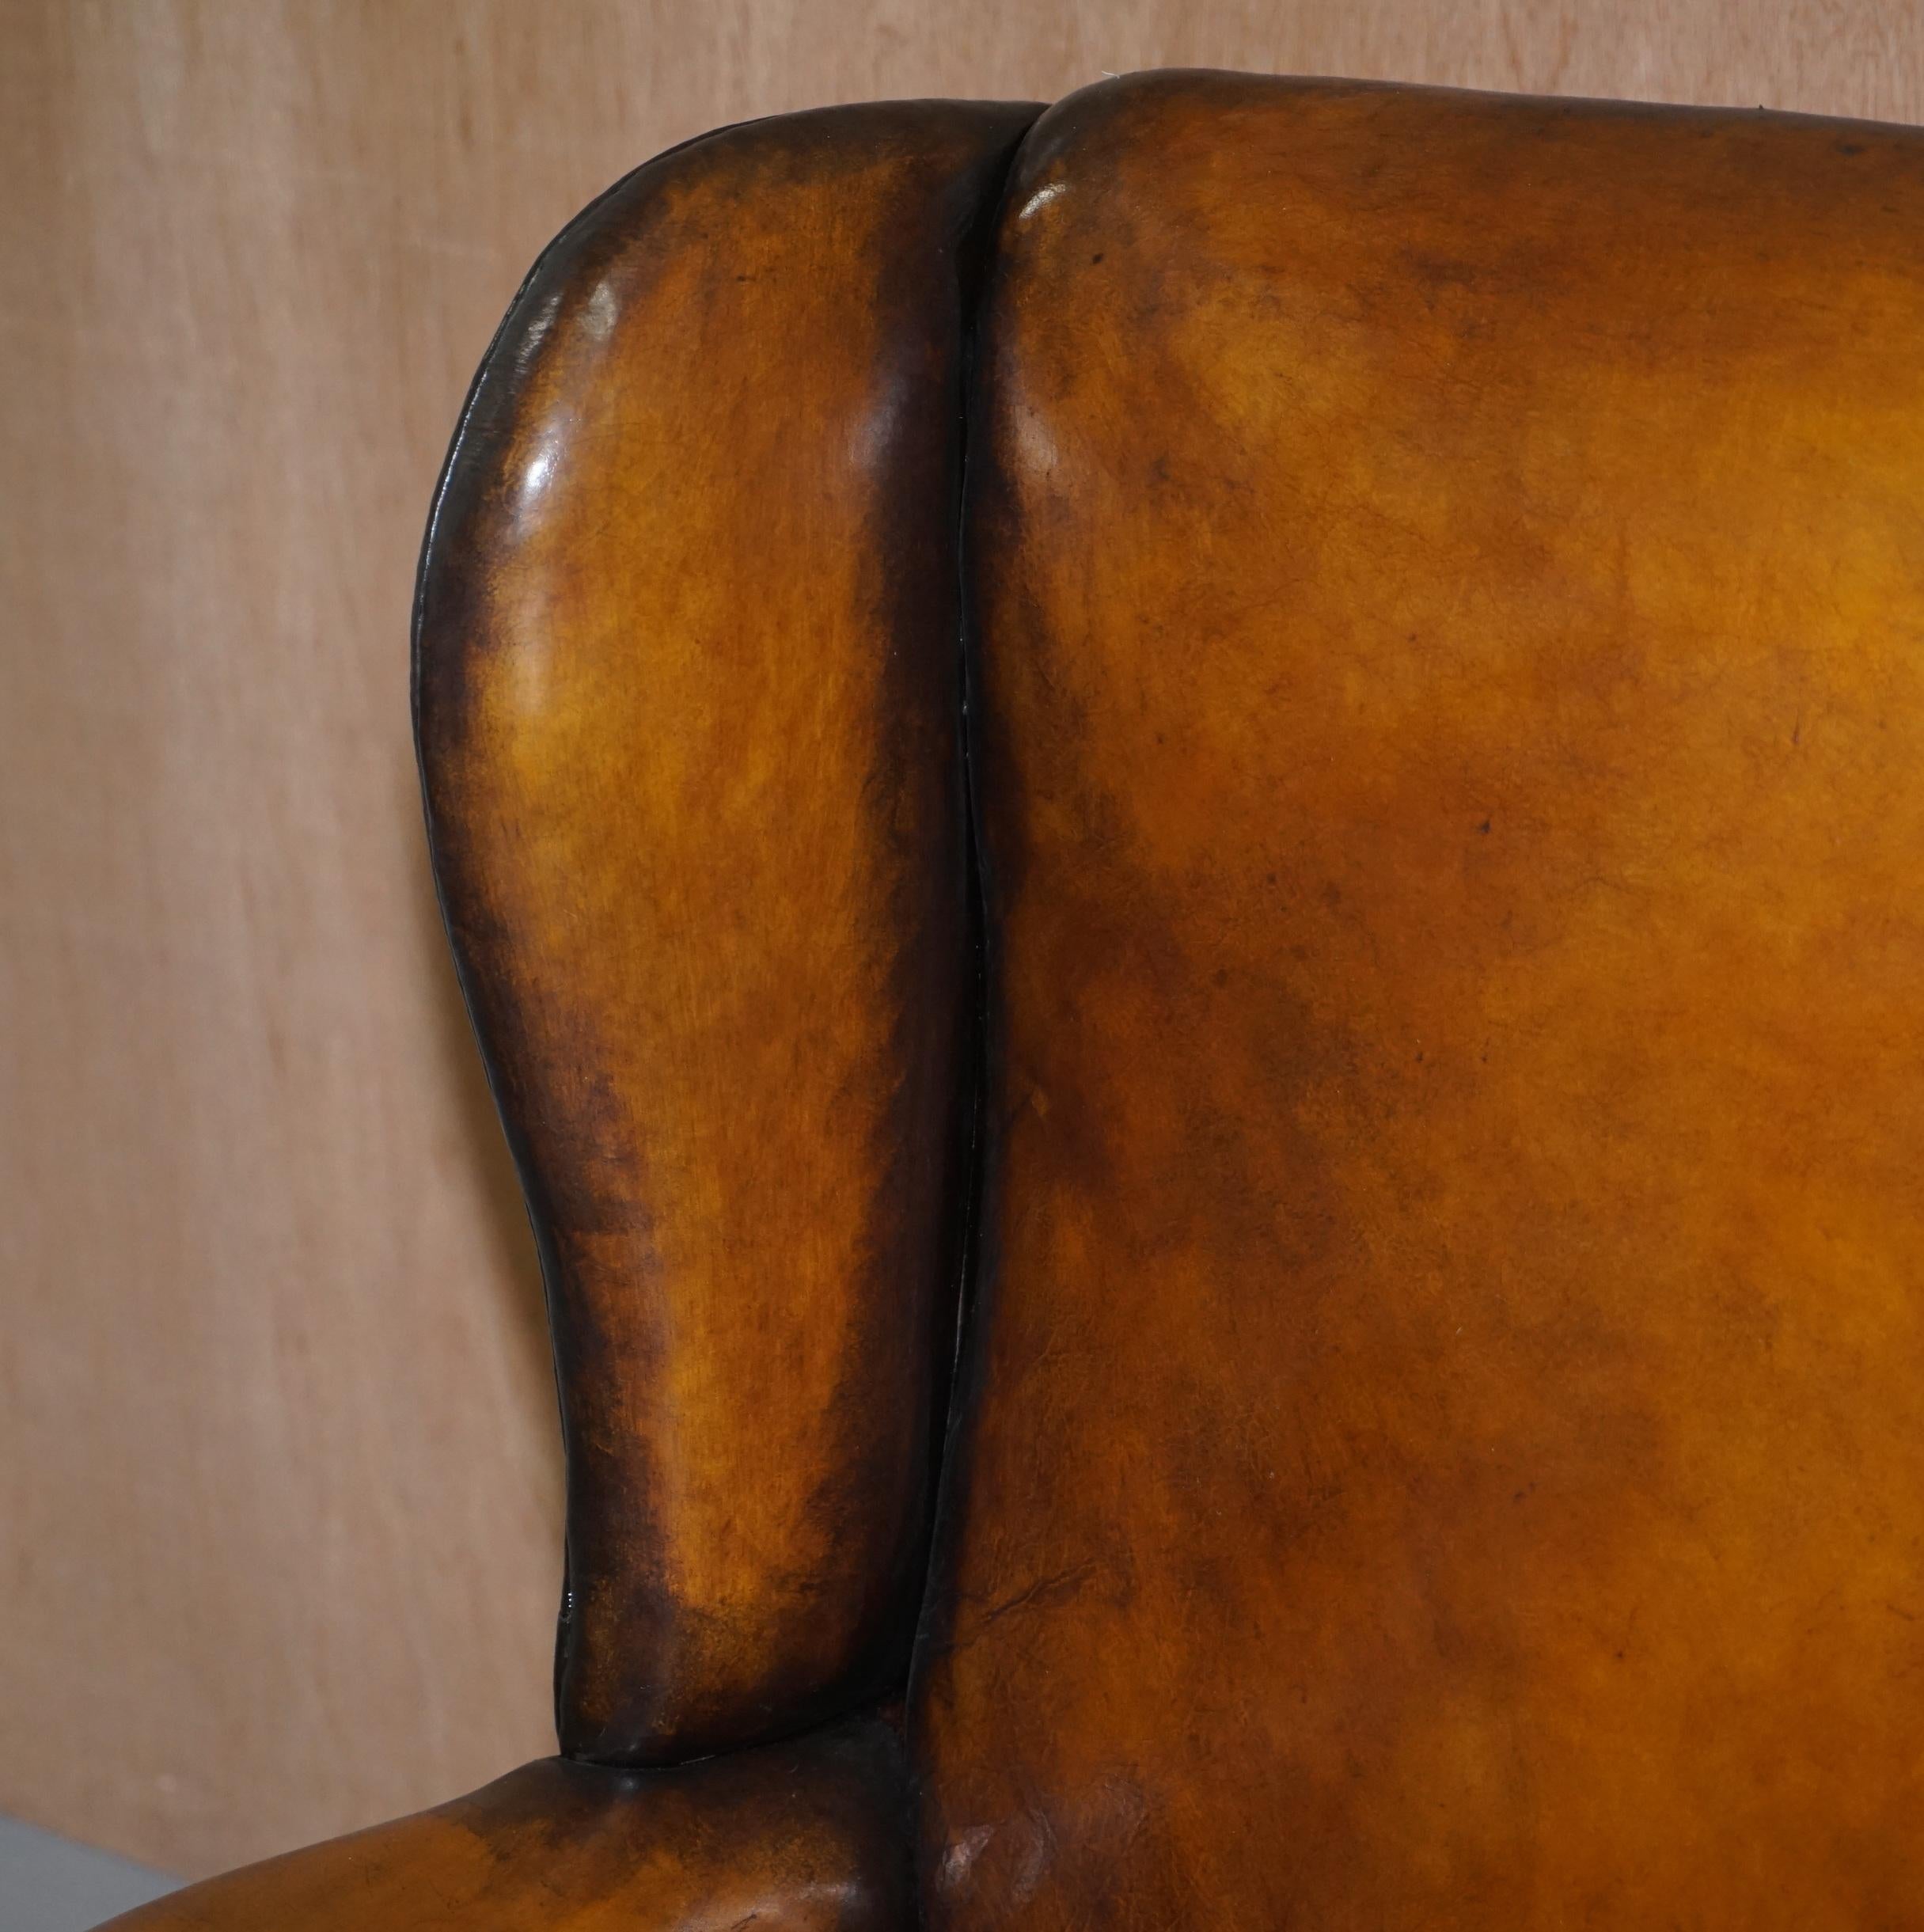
[(791, 1837)]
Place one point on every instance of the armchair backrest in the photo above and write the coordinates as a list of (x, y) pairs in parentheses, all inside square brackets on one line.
[(1438, 1437)]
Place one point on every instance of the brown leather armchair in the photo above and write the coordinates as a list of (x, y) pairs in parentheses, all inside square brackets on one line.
[(1261, 744)]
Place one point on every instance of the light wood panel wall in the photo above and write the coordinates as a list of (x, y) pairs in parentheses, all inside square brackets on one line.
[(279, 1496)]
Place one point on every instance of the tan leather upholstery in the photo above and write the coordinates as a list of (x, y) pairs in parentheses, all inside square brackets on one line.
[(686, 677), (1445, 1445), (1439, 1436), (807, 1836)]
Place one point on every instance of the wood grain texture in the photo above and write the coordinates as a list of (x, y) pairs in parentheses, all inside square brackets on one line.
[(279, 1491), (804, 1836), (1445, 1440), (688, 686)]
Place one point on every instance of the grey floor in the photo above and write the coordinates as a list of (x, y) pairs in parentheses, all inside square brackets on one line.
[(49, 1885)]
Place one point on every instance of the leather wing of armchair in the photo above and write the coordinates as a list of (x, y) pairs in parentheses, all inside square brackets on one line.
[(1261, 743)]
